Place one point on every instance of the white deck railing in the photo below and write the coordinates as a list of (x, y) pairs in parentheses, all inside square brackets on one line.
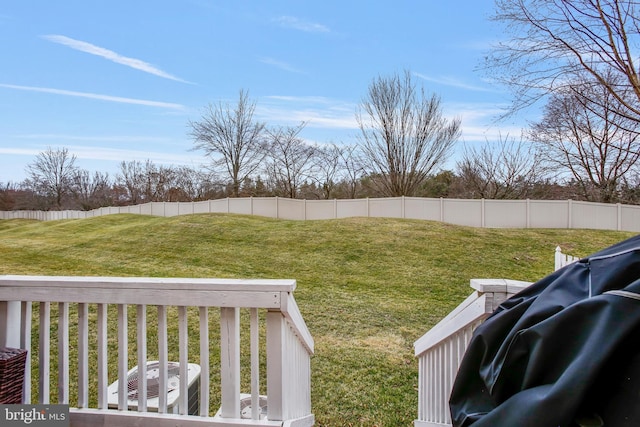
[(28, 303), (562, 259), (440, 350)]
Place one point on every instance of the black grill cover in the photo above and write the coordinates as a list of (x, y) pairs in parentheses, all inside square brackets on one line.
[(563, 352)]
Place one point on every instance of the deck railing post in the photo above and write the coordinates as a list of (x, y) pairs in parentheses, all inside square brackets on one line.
[(230, 361), (10, 324), (275, 365)]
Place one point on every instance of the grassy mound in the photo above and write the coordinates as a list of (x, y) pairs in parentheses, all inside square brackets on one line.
[(367, 287)]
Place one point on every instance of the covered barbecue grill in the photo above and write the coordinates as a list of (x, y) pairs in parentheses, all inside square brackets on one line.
[(563, 352)]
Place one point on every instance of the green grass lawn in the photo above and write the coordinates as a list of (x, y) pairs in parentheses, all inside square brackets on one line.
[(367, 287)]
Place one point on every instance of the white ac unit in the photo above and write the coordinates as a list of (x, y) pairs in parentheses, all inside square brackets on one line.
[(245, 407), (152, 377)]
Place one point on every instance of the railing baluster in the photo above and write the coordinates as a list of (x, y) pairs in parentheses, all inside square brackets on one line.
[(44, 352), (421, 375), (83, 355), (453, 369), (123, 354), (230, 361), (255, 365), (432, 384), (183, 343), (103, 377), (162, 358), (204, 361), (141, 322), (25, 342), (63, 353)]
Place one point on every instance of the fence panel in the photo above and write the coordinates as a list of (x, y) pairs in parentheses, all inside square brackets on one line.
[(599, 216), (265, 206), (549, 214), (290, 209), (352, 207), (505, 213), (201, 207), (386, 208), (462, 212), (629, 218), (423, 208), (240, 206), (320, 209)]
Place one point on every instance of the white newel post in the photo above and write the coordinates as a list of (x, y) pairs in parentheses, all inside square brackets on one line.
[(10, 324), (275, 365), (230, 361)]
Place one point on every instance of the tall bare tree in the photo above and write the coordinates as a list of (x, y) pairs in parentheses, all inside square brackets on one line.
[(290, 160), (51, 175), (582, 134), (231, 137), (403, 134), (91, 191), (352, 170), (329, 166), (131, 177), (553, 41), (504, 169)]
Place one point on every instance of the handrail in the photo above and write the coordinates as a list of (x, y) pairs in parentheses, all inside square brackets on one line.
[(288, 342)]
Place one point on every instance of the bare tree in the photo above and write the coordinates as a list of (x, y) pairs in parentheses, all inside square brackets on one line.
[(630, 189), (131, 177), (403, 134), (352, 170), (553, 41), (91, 191), (14, 196), (190, 184), (505, 169), (159, 180), (232, 139), (582, 134), (51, 175), (290, 160), (329, 167)]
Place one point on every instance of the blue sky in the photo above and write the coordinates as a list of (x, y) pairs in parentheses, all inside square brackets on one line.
[(119, 80)]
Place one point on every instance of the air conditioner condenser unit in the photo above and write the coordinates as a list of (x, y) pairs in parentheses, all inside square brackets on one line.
[(245, 407), (152, 377)]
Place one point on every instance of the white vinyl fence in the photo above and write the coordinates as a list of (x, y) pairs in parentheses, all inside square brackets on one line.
[(468, 212)]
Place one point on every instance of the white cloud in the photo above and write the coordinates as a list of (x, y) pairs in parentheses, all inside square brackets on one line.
[(479, 121), (279, 64), (305, 99), (317, 111), (93, 138), (301, 25), (111, 56), (118, 155), (453, 82), (19, 151), (108, 154), (100, 97)]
